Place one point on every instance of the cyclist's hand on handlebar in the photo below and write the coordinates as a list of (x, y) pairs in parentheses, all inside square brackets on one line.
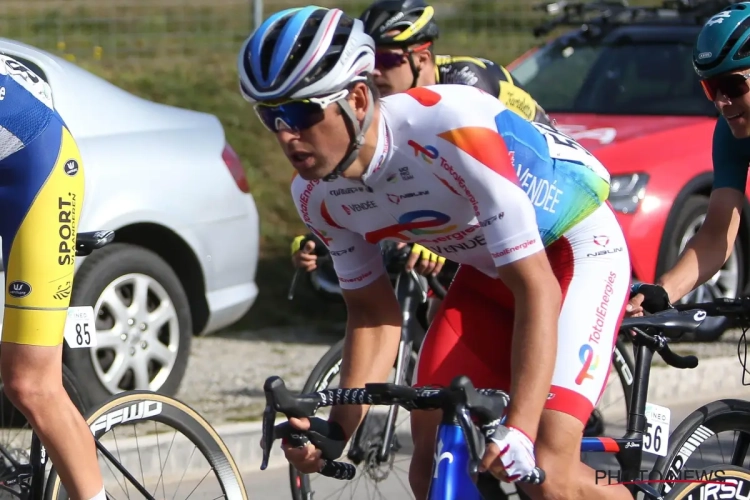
[(304, 258), (647, 298), (510, 454), (424, 261), (634, 307), (306, 458)]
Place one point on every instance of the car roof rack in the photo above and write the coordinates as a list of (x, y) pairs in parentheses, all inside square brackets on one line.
[(610, 13)]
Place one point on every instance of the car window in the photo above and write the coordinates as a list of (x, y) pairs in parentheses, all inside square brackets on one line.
[(632, 78)]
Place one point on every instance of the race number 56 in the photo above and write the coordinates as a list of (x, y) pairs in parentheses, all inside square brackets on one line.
[(79, 327), (656, 437)]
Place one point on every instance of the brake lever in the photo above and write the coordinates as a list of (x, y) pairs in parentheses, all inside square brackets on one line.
[(473, 441), (269, 419), (415, 276), (293, 284)]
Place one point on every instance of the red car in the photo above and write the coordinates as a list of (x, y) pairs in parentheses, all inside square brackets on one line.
[(627, 91)]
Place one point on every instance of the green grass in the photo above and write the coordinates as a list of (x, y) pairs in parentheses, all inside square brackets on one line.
[(183, 54)]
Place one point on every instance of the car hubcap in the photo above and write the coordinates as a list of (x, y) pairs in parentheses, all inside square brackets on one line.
[(137, 334), (724, 283)]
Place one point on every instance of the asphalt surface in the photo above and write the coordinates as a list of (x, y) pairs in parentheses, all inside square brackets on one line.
[(274, 483)]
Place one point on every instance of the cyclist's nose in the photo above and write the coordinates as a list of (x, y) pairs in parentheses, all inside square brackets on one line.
[(287, 135)]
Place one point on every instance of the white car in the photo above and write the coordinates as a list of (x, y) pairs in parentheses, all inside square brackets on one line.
[(186, 247)]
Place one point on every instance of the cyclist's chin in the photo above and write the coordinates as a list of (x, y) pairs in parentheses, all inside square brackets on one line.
[(740, 125), (311, 169)]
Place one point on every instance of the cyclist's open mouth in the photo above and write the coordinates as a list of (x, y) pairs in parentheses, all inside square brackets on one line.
[(301, 160)]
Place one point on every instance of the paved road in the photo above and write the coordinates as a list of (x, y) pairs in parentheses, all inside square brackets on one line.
[(273, 483)]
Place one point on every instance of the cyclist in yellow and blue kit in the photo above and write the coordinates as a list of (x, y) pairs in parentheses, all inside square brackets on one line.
[(41, 195)]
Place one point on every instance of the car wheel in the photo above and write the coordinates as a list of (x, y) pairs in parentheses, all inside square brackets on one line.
[(143, 323), (728, 281)]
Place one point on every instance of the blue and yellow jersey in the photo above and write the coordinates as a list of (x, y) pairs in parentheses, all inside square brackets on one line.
[(41, 194)]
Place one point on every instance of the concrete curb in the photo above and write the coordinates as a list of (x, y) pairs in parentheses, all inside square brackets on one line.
[(717, 376)]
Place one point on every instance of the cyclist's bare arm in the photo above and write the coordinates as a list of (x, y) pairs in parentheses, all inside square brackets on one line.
[(711, 246), (373, 331), (537, 298)]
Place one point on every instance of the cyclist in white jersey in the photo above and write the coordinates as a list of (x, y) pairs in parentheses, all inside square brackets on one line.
[(545, 270)]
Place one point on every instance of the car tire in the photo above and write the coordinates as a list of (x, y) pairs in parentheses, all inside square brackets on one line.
[(129, 354), (729, 282)]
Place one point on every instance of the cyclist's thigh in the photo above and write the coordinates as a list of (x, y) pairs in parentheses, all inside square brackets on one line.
[(470, 334), (594, 297), (41, 194)]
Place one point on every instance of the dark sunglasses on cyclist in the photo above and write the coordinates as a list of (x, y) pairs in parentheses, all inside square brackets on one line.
[(731, 86), (296, 115), (388, 60)]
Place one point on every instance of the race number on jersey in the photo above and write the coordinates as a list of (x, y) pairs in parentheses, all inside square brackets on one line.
[(564, 147)]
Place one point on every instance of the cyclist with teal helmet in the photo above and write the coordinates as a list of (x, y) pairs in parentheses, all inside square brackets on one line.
[(721, 58)]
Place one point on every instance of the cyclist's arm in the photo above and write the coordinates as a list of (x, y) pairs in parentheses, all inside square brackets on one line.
[(373, 331), (711, 246), (373, 314), (516, 248)]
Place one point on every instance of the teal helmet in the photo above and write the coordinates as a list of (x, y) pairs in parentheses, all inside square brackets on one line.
[(723, 44)]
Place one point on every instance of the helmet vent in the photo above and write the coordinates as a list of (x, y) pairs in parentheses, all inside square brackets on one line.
[(738, 32)]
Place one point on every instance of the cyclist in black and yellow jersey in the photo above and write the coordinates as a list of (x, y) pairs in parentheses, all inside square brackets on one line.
[(41, 195), (404, 32)]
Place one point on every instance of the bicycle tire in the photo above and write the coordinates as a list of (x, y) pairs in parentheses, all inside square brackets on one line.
[(718, 416), (182, 418), (685, 491), (324, 371)]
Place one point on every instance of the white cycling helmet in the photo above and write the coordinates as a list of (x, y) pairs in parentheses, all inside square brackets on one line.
[(304, 52), (310, 52)]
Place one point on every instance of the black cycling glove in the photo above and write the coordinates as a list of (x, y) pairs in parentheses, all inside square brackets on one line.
[(655, 299)]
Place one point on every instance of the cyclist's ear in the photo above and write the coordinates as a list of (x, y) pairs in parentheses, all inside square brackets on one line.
[(422, 58)]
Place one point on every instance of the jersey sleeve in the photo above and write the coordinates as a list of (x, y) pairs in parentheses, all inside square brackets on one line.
[(730, 158), (475, 162), (356, 261)]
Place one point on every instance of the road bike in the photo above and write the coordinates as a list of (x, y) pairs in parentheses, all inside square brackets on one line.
[(376, 443), (650, 334), (164, 426)]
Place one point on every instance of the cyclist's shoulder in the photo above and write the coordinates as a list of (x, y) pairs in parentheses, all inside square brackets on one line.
[(441, 95), (467, 70), (449, 62), (431, 110), (727, 147), (22, 87)]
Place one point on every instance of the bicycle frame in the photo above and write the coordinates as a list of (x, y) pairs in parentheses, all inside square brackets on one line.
[(407, 290), (452, 480)]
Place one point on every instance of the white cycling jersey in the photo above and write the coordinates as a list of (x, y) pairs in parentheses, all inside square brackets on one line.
[(462, 175)]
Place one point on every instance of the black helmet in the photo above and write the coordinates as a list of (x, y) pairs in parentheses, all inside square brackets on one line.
[(413, 18)]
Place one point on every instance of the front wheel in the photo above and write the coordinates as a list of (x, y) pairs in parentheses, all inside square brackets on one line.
[(167, 449)]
